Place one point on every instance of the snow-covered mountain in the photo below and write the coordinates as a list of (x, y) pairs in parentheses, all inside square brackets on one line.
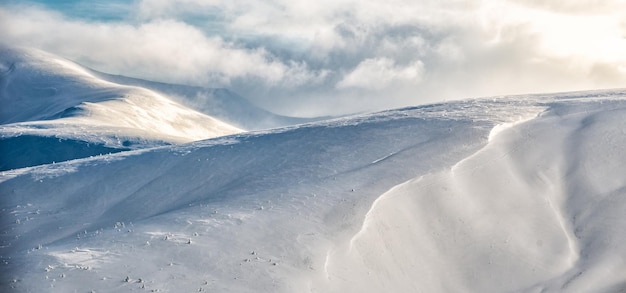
[(220, 103), (76, 112), (515, 194), (54, 110)]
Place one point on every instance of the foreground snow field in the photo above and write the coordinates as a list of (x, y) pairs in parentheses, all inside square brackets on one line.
[(510, 194)]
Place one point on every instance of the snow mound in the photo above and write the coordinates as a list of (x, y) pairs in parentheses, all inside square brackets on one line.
[(517, 194), (538, 209), (414, 199), (52, 98)]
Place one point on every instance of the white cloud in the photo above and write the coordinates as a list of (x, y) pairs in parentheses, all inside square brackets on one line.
[(318, 57), (166, 50), (379, 73)]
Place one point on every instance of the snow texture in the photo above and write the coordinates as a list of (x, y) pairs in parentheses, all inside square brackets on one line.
[(51, 104), (507, 194)]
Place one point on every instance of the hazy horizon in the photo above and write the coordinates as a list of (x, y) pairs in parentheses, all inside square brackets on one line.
[(333, 57)]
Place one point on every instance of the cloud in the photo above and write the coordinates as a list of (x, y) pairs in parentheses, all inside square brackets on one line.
[(164, 49), (337, 56), (379, 73)]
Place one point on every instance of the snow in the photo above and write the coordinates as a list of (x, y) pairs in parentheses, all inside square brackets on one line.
[(219, 103), (50, 101), (516, 194)]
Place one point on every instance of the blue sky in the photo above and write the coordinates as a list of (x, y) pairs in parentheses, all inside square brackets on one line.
[(323, 57), (113, 10)]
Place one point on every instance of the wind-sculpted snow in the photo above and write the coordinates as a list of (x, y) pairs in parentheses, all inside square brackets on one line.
[(48, 99), (537, 209), (419, 199), (220, 103)]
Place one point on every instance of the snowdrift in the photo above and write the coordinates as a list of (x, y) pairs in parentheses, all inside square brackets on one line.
[(68, 107), (516, 194)]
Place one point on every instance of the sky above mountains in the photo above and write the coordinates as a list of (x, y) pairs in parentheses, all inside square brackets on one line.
[(332, 57)]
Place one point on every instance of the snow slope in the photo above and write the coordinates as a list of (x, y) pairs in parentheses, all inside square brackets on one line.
[(516, 194), (220, 103), (539, 208), (65, 106)]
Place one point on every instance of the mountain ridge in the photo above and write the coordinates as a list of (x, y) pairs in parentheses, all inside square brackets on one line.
[(516, 194)]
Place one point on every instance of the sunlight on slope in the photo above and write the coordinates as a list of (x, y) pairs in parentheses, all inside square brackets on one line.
[(414, 199), (77, 114), (524, 214), (46, 92), (138, 113)]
